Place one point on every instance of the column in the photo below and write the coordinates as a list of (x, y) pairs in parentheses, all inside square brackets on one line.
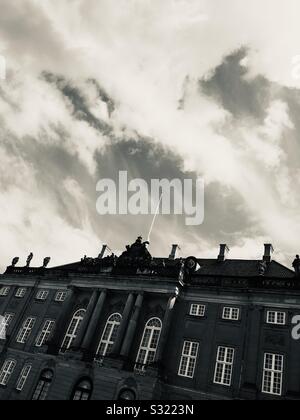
[(86, 320), (61, 322), (92, 328), (132, 326), (122, 329), (165, 329)]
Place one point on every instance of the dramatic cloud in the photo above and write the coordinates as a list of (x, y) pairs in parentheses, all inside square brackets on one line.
[(179, 88)]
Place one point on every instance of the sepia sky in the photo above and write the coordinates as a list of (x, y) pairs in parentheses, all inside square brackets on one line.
[(160, 88)]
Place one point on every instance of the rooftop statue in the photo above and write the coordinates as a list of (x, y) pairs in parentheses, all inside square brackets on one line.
[(46, 262), (137, 250), (296, 265), (15, 261), (29, 259)]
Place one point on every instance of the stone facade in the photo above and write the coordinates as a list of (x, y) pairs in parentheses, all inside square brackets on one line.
[(217, 349)]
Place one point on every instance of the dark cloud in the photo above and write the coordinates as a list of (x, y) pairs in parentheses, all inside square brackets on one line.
[(77, 99), (240, 96)]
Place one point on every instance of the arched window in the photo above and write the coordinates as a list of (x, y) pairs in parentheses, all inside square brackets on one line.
[(83, 391), (149, 344), (43, 386), (109, 335), (127, 395), (73, 329)]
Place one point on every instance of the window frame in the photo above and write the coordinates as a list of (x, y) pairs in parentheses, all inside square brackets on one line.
[(21, 292), (223, 365), (111, 330), (6, 371), (151, 333), (42, 295), (232, 310), (80, 391), (200, 310), (4, 327), (62, 294), (26, 330), (24, 375), (276, 318), (43, 386), (4, 291), (45, 333), (271, 373), (188, 359), (73, 329)]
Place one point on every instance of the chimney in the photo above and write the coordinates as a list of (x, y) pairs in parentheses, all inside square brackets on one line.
[(268, 253), (224, 250), (175, 248), (102, 253)]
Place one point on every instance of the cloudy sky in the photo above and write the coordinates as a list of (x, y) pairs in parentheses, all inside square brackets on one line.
[(161, 88)]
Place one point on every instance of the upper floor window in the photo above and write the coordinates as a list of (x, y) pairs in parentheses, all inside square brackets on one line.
[(42, 295), (21, 292), (23, 377), (231, 314), (42, 389), (109, 335), (224, 366), (25, 331), (4, 291), (149, 344), (276, 318), (188, 359), (45, 334), (198, 310), (61, 296), (6, 371), (5, 322), (83, 391), (73, 329)]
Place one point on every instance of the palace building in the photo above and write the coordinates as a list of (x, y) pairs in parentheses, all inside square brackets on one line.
[(136, 327)]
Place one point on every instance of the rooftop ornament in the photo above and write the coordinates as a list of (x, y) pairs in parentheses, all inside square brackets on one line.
[(29, 259), (296, 265)]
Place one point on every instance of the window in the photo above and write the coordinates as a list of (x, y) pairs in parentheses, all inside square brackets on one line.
[(231, 314), (83, 391), (188, 359), (4, 291), (4, 324), (60, 296), (25, 331), (224, 366), (273, 374), (127, 395), (73, 329), (21, 292), (42, 295), (197, 310), (45, 333), (276, 318), (109, 335), (149, 344), (23, 377), (6, 371), (43, 386)]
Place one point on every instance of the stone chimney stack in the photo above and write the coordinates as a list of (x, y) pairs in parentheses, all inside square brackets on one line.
[(224, 250), (269, 250), (102, 253), (173, 254)]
